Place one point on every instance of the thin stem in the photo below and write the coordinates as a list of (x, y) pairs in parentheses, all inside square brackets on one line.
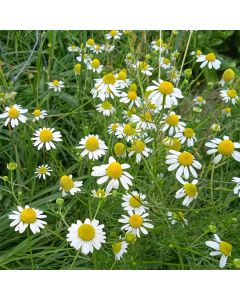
[(30, 247), (75, 258)]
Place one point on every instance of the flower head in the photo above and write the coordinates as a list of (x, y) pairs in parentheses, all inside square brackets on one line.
[(46, 137), (92, 146), (13, 115)]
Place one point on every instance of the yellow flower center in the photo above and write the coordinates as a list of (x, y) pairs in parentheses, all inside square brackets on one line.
[(226, 147), (95, 63), (13, 113), (128, 129), (159, 42), (188, 132), (135, 201), (166, 61), (46, 135), (175, 144), (77, 68), (109, 78), (136, 221), (190, 189), (28, 215), (42, 170), (66, 183), (228, 75), (200, 99), (86, 232), (92, 143), (114, 127), (232, 93), (117, 247), (225, 248), (119, 149), (100, 193), (55, 82), (138, 146), (132, 95), (106, 105), (73, 46), (199, 52), (147, 116), (131, 111), (113, 32), (143, 65), (114, 170), (165, 88), (185, 158), (90, 42), (97, 47), (172, 120), (227, 109), (122, 75), (210, 57), (37, 112)]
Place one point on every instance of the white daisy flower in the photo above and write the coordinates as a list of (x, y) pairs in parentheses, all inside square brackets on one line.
[(86, 236), (209, 60), (13, 115), (45, 137), (109, 48), (56, 85), (145, 68), (165, 63), (177, 217), (106, 108), (228, 76), (85, 57), (221, 248), (127, 131), (229, 95), (189, 191), (199, 100), (39, 114), (236, 189), (174, 75), (95, 66), (122, 79), (164, 94), (172, 124), (119, 249), (113, 127), (113, 34), (157, 44), (134, 201), (114, 172), (184, 162), (139, 148), (43, 171), (97, 49), (227, 111), (136, 223), (93, 147), (196, 53), (224, 147), (106, 87), (186, 135), (27, 216), (100, 193), (74, 48), (67, 185), (90, 43), (131, 97), (144, 121)]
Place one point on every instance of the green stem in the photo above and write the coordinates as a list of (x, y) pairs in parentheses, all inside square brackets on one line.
[(75, 258), (30, 247)]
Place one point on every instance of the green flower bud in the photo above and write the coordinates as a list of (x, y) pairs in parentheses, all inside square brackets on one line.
[(236, 262), (5, 178), (12, 166), (212, 228), (130, 237), (188, 73), (60, 201)]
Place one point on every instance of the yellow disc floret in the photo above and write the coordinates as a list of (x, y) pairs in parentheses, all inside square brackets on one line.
[(92, 143), (122, 75), (114, 170), (113, 32), (136, 221), (46, 135), (138, 146), (200, 99), (185, 158), (228, 75), (90, 42), (190, 189), (37, 112), (165, 88), (86, 232), (95, 63), (55, 82), (188, 132), (128, 130), (119, 149), (132, 95), (117, 247), (109, 78), (172, 120), (232, 93), (166, 61), (66, 183), (106, 105), (225, 248), (42, 170), (13, 113), (147, 116), (210, 57), (135, 201), (28, 215), (226, 147)]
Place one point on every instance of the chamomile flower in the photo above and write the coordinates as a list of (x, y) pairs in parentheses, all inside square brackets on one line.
[(196, 53), (109, 48), (127, 131), (13, 115), (74, 48), (144, 121), (27, 216), (92, 146), (236, 189), (97, 49), (165, 63), (120, 150), (186, 135), (46, 137), (144, 67), (189, 191), (115, 172), (67, 185), (227, 111), (95, 66), (100, 194), (85, 57), (113, 127), (209, 60), (225, 148), (139, 148), (43, 171), (130, 97), (122, 80), (86, 236), (172, 123), (134, 201), (184, 162), (119, 249), (56, 85), (136, 223), (229, 95), (157, 45), (199, 100), (228, 76), (106, 87), (221, 248), (106, 108), (90, 43), (177, 217), (164, 94), (39, 114), (113, 34)]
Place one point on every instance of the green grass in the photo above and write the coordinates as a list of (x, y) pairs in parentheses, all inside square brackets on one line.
[(73, 113)]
